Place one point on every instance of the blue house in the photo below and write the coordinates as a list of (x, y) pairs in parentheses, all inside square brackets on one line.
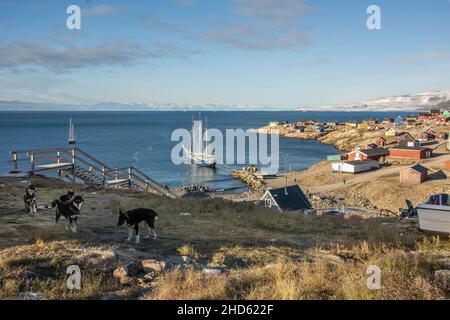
[(399, 121)]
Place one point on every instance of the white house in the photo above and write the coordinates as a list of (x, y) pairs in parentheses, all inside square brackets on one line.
[(355, 166)]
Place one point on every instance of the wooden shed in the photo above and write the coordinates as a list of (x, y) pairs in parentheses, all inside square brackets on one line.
[(416, 174), (381, 141), (408, 141), (375, 154), (411, 153)]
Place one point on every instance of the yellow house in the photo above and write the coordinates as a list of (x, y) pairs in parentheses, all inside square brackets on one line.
[(363, 125), (391, 132)]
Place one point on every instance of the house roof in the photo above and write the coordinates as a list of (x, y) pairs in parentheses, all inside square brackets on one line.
[(360, 162), (407, 135), (411, 148), (375, 152), (417, 168), (290, 198)]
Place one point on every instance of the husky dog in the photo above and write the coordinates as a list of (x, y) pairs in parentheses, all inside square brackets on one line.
[(67, 197), (29, 199), (133, 217), (69, 210)]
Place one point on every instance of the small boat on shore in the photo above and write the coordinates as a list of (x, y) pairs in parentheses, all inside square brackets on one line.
[(434, 215)]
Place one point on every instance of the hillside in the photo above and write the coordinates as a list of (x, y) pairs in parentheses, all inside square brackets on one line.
[(210, 249)]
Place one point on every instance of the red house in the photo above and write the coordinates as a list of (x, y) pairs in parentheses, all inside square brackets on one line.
[(441, 136), (416, 153), (368, 154), (381, 141)]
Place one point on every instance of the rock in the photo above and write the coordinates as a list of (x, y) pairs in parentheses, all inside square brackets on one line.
[(28, 274), (154, 265), (31, 295), (175, 261), (126, 274), (442, 277), (212, 271)]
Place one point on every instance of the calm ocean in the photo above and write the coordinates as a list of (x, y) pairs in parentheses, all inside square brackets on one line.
[(143, 139)]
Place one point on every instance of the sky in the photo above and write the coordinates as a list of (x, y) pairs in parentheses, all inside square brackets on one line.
[(277, 53)]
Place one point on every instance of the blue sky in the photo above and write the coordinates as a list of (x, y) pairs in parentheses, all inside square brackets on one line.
[(278, 53)]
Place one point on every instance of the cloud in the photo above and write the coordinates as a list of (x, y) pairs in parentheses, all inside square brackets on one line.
[(57, 58), (264, 25), (428, 56), (278, 12), (101, 10), (155, 22)]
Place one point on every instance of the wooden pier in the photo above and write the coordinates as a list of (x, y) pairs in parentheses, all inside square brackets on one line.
[(75, 163)]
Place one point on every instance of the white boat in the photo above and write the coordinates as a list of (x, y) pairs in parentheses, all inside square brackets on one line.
[(435, 215), (72, 138), (198, 154)]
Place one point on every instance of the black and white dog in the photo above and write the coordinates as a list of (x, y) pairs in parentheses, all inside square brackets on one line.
[(67, 197), (29, 199), (133, 217), (69, 210)]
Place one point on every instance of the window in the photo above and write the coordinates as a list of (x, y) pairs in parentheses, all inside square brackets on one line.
[(268, 203)]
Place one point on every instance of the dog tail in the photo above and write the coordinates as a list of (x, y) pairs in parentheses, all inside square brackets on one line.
[(156, 215), (54, 203)]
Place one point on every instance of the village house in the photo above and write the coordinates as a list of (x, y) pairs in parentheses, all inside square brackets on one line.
[(351, 124), (275, 123), (442, 120), (408, 141), (424, 116), (363, 125), (447, 165), (368, 154), (391, 132), (399, 122), (373, 122), (415, 153), (441, 136), (446, 114), (381, 141), (286, 199), (411, 123), (428, 135), (310, 123), (388, 121), (435, 112), (414, 175), (355, 166)]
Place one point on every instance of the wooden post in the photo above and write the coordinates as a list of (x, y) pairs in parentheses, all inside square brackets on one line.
[(58, 157), (130, 176), (32, 159), (146, 185), (73, 165), (103, 175), (16, 165)]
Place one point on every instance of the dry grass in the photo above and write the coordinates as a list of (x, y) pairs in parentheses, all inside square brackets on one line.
[(404, 276)]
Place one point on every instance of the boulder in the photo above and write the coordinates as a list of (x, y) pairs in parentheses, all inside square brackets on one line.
[(127, 274), (150, 265)]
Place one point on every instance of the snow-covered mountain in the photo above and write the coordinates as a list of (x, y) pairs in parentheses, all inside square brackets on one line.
[(409, 102)]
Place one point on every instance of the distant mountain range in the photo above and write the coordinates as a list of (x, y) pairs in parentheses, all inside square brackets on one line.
[(409, 102), (111, 106)]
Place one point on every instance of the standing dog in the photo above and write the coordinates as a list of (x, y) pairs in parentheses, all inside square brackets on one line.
[(133, 217), (30, 199), (67, 197), (69, 210)]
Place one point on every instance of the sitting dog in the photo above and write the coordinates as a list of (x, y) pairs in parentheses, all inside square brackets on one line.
[(69, 210), (67, 197), (30, 199), (133, 217)]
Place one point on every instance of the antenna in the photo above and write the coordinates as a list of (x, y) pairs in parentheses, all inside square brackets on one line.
[(285, 175)]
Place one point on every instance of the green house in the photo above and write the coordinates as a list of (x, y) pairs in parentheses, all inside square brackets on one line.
[(446, 114)]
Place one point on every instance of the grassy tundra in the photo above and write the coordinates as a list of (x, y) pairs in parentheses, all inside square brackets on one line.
[(260, 254)]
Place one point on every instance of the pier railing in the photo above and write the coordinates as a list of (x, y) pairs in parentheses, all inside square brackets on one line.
[(75, 163)]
